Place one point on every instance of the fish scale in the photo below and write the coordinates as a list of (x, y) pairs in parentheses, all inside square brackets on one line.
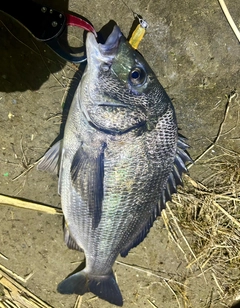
[(119, 162)]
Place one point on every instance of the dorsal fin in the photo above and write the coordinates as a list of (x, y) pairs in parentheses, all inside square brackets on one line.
[(175, 177)]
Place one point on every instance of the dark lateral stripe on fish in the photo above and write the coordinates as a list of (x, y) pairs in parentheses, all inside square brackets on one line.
[(97, 187)]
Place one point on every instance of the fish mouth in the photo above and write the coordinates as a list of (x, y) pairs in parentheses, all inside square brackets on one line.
[(112, 42), (97, 52)]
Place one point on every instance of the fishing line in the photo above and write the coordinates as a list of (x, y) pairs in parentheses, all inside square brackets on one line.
[(139, 31)]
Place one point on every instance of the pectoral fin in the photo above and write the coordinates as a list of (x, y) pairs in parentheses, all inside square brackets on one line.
[(87, 174)]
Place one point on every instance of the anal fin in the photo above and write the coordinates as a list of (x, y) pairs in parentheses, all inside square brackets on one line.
[(69, 241)]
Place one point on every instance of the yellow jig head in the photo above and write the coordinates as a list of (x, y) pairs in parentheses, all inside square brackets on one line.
[(138, 33)]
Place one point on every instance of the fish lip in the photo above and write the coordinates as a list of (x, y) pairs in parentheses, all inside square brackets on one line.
[(111, 45), (98, 53)]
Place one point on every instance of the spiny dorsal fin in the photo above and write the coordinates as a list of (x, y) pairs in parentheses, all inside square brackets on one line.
[(175, 177)]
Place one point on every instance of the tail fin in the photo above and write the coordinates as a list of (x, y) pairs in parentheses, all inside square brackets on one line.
[(104, 287)]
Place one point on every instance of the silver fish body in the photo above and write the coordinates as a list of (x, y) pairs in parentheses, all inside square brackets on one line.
[(121, 159)]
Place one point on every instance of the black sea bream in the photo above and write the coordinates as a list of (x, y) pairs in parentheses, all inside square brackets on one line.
[(120, 160)]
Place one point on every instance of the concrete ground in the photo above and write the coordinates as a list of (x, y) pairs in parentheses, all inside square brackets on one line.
[(196, 57)]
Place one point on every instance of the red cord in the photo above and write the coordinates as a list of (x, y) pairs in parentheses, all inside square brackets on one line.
[(72, 20)]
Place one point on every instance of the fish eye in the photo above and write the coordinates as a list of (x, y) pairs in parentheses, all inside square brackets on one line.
[(137, 76)]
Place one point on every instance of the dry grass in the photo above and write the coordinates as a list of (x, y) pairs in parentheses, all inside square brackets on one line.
[(206, 217), (14, 295)]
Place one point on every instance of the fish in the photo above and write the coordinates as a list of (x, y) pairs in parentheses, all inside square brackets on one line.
[(120, 160)]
